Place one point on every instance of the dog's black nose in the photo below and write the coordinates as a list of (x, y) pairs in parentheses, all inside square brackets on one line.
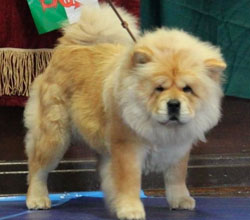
[(173, 107)]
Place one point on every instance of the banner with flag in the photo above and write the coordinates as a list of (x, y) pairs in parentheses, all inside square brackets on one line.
[(50, 15)]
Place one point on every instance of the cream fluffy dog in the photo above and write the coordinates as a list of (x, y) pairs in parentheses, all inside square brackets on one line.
[(140, 105)]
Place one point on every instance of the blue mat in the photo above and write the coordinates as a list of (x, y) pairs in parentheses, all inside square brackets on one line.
[(90, 206)]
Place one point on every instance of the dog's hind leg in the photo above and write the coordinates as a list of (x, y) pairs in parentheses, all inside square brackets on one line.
[(46, 141)]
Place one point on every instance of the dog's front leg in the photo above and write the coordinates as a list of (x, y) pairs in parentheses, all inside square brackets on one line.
[(177, 193), (121, 181)]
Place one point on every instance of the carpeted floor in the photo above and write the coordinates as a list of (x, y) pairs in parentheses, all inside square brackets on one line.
[(80, 206)]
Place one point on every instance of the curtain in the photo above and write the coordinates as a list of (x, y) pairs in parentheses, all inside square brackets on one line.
[(23, 53)]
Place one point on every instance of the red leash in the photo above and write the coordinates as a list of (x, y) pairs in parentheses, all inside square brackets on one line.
[(123, 23)]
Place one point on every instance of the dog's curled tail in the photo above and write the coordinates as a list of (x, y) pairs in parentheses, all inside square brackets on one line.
[(99, 25)]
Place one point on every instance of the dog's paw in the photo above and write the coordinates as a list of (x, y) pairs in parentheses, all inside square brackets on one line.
[(178, 197), (131, 212), (185, 202), (42, 202)]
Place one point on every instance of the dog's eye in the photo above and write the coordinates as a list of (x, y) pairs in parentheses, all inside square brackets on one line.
[(159, 89), (187, 89)]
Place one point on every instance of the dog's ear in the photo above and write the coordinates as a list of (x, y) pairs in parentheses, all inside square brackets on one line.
[(215, 68), (141, 57)]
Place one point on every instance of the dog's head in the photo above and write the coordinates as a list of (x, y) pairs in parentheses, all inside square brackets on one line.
[(176, 77)]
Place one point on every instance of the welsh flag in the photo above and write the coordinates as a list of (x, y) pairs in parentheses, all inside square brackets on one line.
[(50, 15)]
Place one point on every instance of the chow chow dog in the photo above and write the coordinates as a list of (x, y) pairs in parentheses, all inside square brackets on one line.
[(141, 106)]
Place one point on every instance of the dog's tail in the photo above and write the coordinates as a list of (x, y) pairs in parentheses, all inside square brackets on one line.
[(99, 25)]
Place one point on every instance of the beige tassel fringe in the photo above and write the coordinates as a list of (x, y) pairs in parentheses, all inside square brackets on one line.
[(19, 67)]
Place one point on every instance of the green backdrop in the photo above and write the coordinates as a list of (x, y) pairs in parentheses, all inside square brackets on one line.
[(225, 23)]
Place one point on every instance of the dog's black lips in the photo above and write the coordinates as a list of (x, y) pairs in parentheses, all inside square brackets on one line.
[(173, 118)]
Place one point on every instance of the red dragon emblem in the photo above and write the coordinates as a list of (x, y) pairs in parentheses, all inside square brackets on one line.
[(64, 3)]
